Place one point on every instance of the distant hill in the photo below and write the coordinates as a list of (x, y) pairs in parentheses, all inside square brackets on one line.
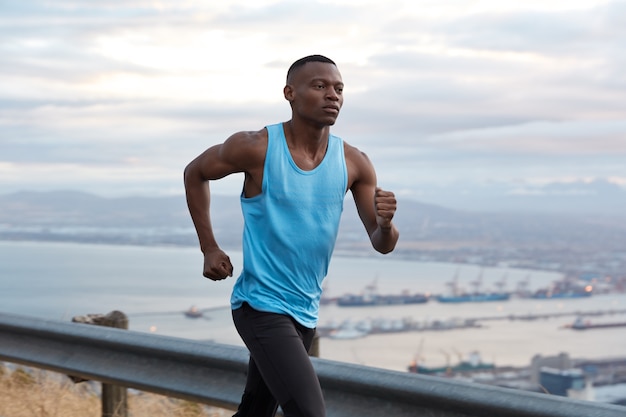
[(84, 217), (78, 216), (598, 197), (573, 244)]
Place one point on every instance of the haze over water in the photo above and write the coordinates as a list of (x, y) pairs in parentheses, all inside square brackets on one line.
[(155, 285)]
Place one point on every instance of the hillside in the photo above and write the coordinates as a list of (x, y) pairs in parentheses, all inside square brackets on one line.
[(427, 231)]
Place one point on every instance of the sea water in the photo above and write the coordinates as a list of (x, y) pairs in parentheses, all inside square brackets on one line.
[(154, 286)]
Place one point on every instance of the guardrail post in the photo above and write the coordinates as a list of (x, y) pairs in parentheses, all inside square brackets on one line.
[(315, 346), (114, 397)]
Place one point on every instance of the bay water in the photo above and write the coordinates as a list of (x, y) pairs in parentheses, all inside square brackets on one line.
[(154, 286)]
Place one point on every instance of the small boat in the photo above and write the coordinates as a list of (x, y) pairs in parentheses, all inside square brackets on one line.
[(580, 324), (193, 312)]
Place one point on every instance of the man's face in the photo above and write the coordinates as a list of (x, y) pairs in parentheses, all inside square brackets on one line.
[(315, 92)]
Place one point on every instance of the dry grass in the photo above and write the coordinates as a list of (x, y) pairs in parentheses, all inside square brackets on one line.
[(27, 392)]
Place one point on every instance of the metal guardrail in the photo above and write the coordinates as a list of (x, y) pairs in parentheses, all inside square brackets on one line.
[(214, 374)]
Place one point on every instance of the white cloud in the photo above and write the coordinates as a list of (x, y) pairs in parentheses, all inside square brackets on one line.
[(126, 92), (543, 138)]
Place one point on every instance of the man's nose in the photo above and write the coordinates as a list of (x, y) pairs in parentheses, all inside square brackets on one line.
[(332, 94)]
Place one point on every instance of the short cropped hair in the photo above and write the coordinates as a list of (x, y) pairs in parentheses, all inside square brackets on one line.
[(311, 58)]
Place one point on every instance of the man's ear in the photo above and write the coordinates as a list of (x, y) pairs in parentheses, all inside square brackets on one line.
[(289, 93)]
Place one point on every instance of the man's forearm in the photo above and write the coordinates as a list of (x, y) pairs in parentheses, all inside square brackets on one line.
[(384, 239), (198, 201)]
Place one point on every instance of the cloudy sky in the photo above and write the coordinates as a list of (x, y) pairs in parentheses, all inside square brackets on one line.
[(115, 97)]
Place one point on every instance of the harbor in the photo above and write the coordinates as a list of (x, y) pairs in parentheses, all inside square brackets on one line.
[(159, 298), (564, 288), (351, 328), (357, 326)]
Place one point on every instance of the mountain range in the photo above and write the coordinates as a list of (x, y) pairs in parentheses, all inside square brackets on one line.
[(84, 217), (595, 197)]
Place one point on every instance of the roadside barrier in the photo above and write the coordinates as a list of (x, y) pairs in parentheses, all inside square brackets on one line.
[(214, 374)]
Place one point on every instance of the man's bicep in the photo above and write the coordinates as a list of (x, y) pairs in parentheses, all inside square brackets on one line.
[(223, 159), (209, 165)]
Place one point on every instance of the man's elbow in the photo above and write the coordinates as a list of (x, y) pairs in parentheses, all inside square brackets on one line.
[(385, 250), (190, 175)]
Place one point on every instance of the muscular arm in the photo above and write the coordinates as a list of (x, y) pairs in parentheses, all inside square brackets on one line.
[(376, 207), (239, 153)]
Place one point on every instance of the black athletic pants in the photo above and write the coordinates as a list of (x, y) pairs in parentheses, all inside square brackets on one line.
[(280, 370)]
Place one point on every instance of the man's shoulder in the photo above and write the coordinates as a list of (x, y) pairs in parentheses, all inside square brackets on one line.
[(250, 134), (246, 145), (352, 152), (248, 139)]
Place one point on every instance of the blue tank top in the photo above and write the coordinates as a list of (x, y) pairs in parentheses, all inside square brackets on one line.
[(290, 230)]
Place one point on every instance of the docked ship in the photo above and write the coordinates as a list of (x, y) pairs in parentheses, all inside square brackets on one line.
[(364, 300), (370, 297), (581, 324), (456, 295), (473, 364), (564, 289), (473, 297)]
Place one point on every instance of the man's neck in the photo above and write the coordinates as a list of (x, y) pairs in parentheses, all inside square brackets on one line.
[(306, 143), (305, 134)]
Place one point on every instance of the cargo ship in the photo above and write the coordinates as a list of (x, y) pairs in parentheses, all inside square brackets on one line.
[(563, 289), (476, 296), (370, 297), (364, 300)]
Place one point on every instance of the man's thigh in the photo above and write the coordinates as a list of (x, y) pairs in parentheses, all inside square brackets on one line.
[(279, 348)]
